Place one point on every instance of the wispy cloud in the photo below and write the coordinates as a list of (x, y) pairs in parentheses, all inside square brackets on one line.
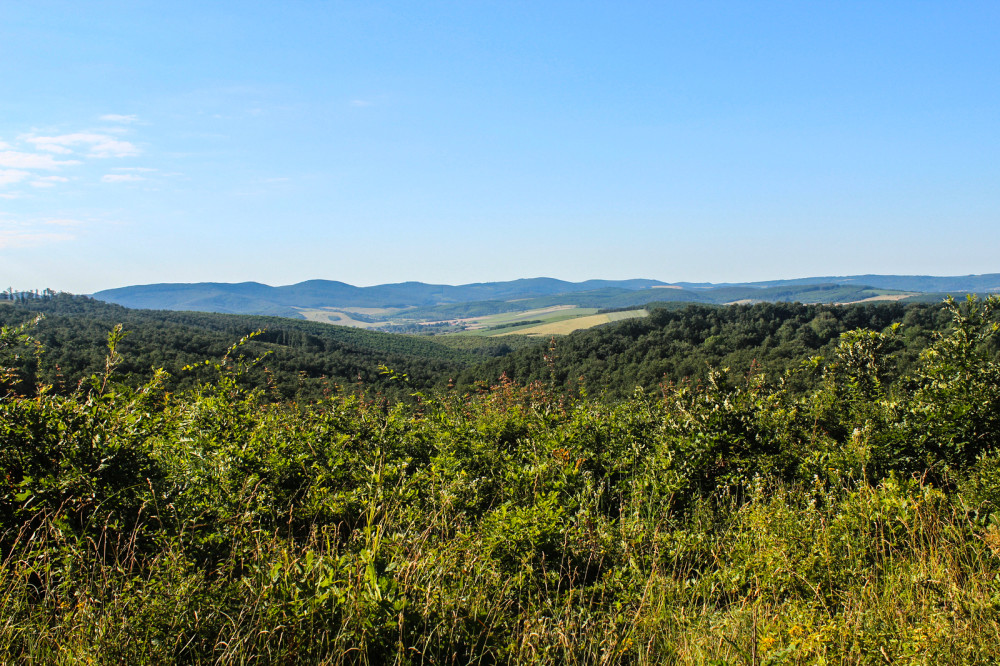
[(21, 234), (118, 118), (48, 181), (41, 150), (101, 145), (121, 178), (14, 159), (9, 176), (64, 222), (360, 102)]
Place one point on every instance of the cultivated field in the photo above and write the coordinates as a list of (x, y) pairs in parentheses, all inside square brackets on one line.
[(556, 312), (885, 297), (373, 311), (338, 317), (553, 320), (567, 326), (480, 326)]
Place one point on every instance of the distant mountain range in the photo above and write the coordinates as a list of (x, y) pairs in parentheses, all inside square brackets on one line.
[(256, 298), (431, 300), (977, 284)]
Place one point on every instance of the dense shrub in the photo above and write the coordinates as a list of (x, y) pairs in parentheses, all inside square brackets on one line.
[(737, 520)]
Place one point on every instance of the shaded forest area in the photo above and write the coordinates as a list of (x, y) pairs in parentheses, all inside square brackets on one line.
[(303, 359), (306, 360)]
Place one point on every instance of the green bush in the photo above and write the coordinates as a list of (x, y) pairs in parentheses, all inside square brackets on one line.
[(739, 520)]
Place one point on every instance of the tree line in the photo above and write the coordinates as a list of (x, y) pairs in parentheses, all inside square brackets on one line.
[(673, 344)]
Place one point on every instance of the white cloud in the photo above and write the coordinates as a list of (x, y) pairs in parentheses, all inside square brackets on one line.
[(121, 178), (18, 160), (101, 145), (360, 102), (134, 169), (114, 148), (64, 222), (8, 176), (48, 181), (54, 148), (117, 118)]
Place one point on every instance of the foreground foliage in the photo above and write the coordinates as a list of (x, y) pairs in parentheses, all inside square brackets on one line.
[(733, 521)]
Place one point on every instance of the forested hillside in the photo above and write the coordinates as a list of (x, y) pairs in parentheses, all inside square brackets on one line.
[(301, 358), (609, 298), (409, 303), (306, 359), (677, 344), (253, 297), (745, 519)]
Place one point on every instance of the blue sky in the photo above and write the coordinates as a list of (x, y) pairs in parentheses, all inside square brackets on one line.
[(456, 142)]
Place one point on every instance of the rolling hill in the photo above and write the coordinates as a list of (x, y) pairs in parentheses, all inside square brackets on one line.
[(256, 298), (418, 301)]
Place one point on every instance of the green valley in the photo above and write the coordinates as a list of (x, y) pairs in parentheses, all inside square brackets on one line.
[(415, 307)]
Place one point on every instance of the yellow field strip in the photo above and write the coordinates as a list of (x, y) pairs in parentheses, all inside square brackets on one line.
[(567, 326), (883, 297), (325, 316)]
